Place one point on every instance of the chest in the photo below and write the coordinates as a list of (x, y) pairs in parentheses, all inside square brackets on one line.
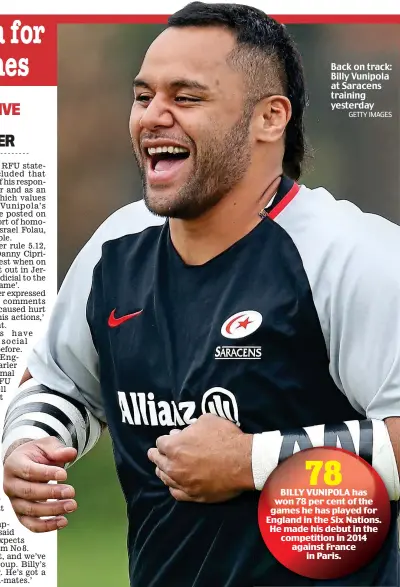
[(239, 338)]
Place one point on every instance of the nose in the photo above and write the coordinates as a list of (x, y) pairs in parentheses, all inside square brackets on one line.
[(156, 115)]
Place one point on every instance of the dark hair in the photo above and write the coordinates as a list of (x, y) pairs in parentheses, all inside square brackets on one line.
[(268, 56)]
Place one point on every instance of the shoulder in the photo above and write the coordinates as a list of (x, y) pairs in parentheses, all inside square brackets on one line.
[(352, 263), (330, 234), (132, 219)]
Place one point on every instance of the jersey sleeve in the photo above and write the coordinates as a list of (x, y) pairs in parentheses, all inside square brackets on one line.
[(64, 397), (352, 261), (364, 342), (65, 359)]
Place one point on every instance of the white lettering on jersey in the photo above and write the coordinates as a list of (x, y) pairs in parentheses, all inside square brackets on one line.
[(141, 409)]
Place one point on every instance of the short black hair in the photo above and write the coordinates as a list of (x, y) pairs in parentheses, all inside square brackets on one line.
[(268, 56)]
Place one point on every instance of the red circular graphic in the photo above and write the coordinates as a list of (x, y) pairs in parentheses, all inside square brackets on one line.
[(326, 521)]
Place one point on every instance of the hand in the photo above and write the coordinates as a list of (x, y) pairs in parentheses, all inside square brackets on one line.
[(27, 472), (207, 462)]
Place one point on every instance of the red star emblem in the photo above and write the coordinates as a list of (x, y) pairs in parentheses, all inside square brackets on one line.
[(244, 323)]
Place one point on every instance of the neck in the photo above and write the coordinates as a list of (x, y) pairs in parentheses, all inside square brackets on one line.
[(199, 240)]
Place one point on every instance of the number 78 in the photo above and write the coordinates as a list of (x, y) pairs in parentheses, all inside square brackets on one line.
[(332, 474)]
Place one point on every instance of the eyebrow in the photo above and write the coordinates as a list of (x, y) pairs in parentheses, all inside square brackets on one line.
[(176, 84)]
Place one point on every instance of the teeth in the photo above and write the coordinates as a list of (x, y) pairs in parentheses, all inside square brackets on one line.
[(166, 149)]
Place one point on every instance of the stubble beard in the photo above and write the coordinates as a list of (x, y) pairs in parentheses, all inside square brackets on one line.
[(219, 166)]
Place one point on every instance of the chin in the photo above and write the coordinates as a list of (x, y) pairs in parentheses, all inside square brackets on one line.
[(170, 209), (159, 205), (164, 201)]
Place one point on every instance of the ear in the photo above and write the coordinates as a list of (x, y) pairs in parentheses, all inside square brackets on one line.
[(271, 117)]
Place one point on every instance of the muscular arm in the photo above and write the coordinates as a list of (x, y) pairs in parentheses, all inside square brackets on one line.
[(17, 443), (58, 413), (213, 460), (43, 432), (29, 465), (38, 412)]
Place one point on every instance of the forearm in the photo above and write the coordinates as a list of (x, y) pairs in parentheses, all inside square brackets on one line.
[(369, 439), (37, 412)]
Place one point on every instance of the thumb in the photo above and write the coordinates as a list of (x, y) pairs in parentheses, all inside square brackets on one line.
[(56, 451)]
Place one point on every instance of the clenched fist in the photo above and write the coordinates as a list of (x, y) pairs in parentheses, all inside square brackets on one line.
[(208, 462), (27, 472)]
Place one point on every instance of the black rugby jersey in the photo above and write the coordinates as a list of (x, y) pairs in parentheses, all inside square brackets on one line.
[(296, 324)]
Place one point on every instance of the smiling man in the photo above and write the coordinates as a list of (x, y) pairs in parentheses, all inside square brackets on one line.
[(229, 319)]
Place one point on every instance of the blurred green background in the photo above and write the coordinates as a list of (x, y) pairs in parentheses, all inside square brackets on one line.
[(355, 159), (92, 548)]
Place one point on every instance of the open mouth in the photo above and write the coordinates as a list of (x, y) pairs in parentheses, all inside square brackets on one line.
[(166, 159)]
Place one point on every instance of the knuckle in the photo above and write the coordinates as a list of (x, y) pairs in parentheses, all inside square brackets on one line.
[(27, 470), (27, 490), (54, 491), (6, 487), (46, 473), (12, 488), (161, 444), (15, 488), (168, 469), (176, 452)]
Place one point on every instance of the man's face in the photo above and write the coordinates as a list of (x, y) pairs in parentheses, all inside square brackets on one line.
[(189, 129)]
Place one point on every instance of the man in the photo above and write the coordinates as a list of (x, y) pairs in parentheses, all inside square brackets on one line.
[(300, 292)]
